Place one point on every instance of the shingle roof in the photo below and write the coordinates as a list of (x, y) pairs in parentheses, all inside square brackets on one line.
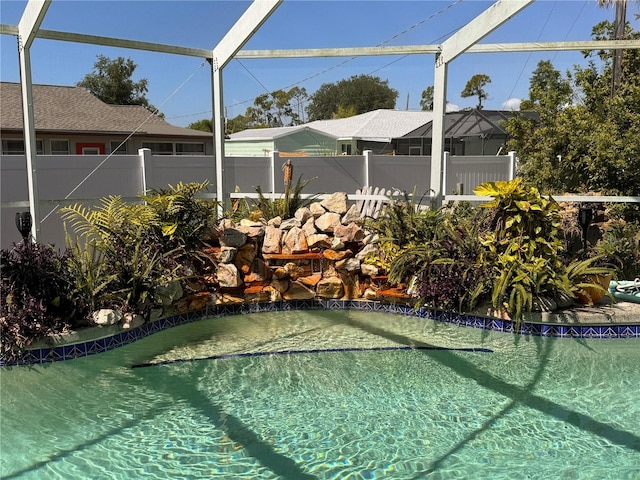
[(377, 125), (73, 109)]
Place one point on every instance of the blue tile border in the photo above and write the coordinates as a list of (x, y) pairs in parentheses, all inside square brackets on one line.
[(91, 347)]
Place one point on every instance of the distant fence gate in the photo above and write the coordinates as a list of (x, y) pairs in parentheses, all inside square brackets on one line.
[(68, 179)]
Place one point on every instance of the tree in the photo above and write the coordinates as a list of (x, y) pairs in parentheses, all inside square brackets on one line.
[(204, 125), (475, 88), (359, 93), (426, 102), (273, 109), (590, 143), (111, 81), (618, 34)]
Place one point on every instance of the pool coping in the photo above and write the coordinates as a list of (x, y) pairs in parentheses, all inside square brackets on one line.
[(103, 339)]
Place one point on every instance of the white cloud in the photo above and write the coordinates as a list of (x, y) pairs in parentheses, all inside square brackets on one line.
[(452, 107), (512, 104)]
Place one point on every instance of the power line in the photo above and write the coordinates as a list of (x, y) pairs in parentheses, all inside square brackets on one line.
[(405, 31)]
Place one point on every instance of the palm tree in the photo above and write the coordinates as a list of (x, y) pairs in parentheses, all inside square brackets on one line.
[(619, 26)]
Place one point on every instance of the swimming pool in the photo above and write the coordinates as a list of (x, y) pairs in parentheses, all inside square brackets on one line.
[(328, 395)]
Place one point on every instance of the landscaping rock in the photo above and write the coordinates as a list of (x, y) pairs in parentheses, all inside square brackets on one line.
[(275, 221), (328, 222), (244, 258), (281, 285), (331, 287), (337, 244), (272, 240), (348, 233), (336, 203), (290, 223), (351, 286), (368, 270), (317, 209), (297, 291), (131, 320), (309, 227), (336, 256), (232, 237), (349, 265), (352, 215), (227, 254), (295, 241), (228, 275), (311, 280), (318, 240), (260, 272), (252, 232), (303, 214), (106, 316)]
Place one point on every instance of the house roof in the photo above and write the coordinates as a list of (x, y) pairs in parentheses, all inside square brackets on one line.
[(75, 110), (469, 123), (377, 125), (272, 133)]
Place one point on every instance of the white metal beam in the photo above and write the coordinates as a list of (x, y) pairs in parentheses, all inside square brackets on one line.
[(248, 24), (328, 52), (30, 21), (458, 43), (236, 37), (480, 27)]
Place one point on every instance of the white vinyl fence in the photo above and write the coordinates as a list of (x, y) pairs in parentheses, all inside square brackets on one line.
[(69, 179)]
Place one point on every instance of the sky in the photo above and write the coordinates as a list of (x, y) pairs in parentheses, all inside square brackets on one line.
[(180, 86)]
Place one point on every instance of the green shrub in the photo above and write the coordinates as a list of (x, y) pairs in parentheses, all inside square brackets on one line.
[(38, 296)]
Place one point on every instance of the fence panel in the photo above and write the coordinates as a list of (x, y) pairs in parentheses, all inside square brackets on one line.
[(163, 170), (342, 173), (471, 171), (401, 172), (58, 177), (247, 173)]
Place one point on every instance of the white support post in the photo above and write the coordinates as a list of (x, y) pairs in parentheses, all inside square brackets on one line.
[(437, 135), (146, 166), (275, 159), (512, 165), (27, 28), (458, 43), (218, 137), (367, 158), (445, 162), (236, 37)]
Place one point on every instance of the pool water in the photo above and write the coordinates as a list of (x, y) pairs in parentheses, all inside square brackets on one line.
[(328, 395)]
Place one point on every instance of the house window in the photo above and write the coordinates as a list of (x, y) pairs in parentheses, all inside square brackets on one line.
[(415, 151), (159, 148), (189, 148), (346, 148), (119, 148), (59, 147), (16, 147)]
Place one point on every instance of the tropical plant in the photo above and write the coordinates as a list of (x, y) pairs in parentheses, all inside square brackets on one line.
[(444, 269), (126, 237), (184, 218), (523, 242), (402, 223), (619, 248), (284, 207), (38, 297)]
